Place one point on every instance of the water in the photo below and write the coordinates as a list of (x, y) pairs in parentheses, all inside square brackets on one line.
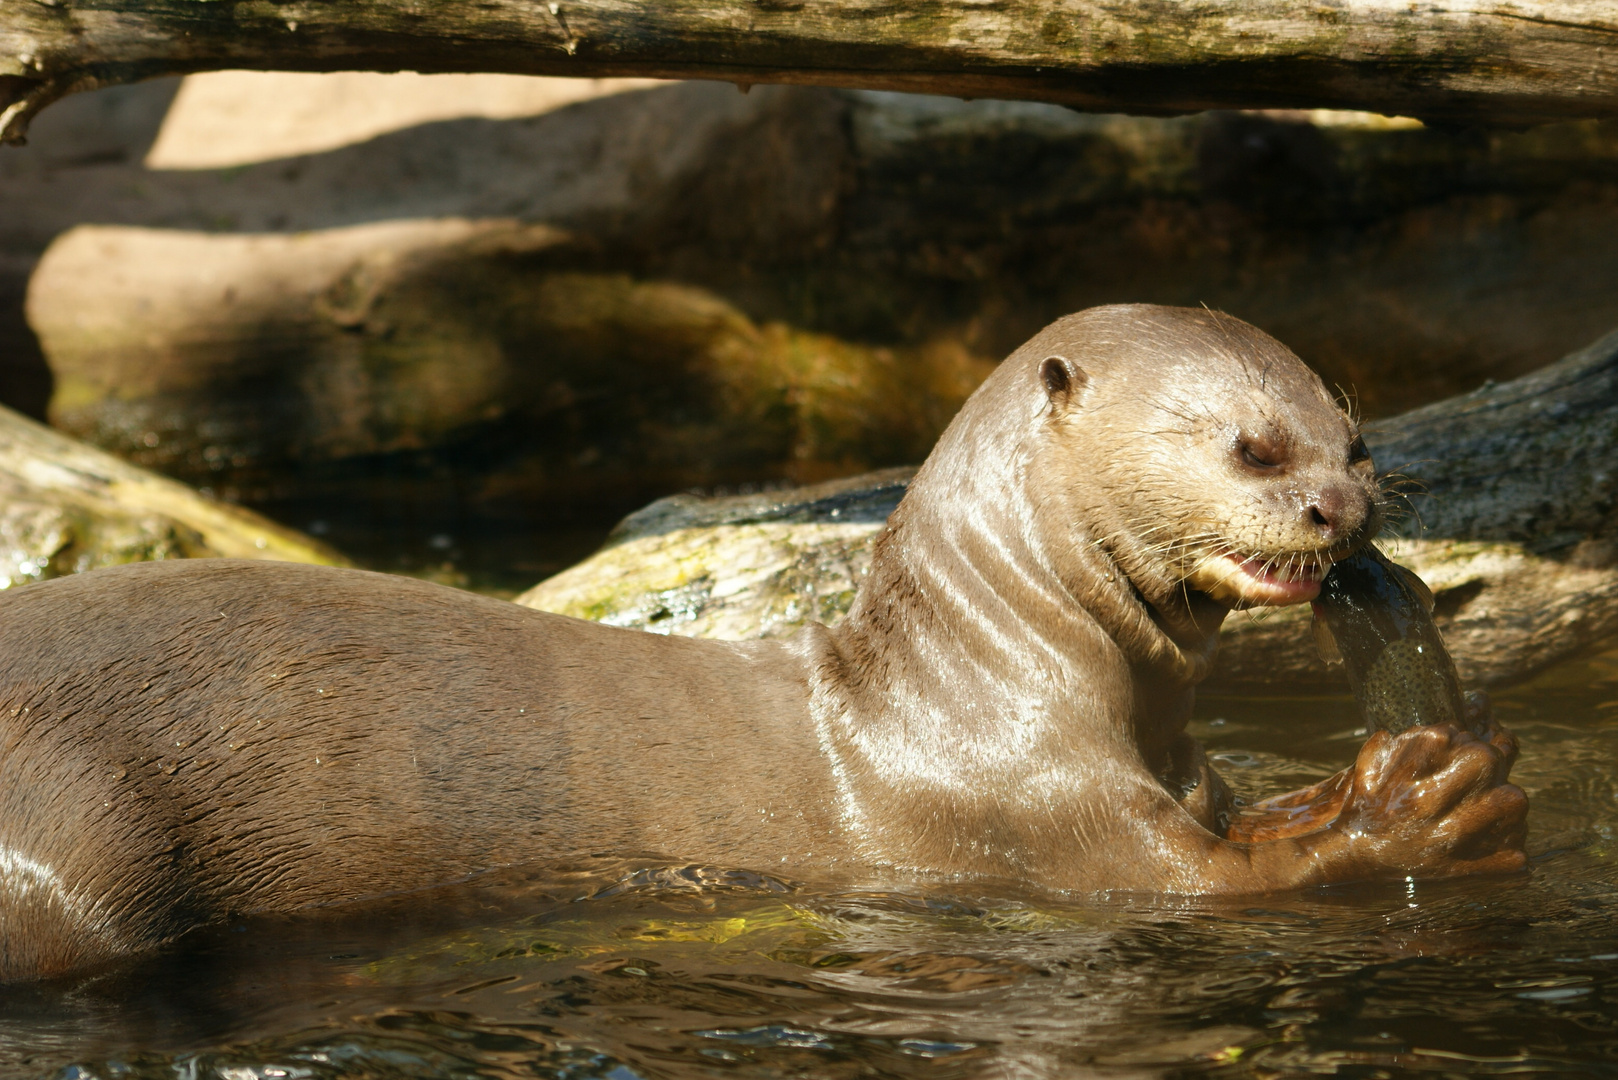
[(596, 971)]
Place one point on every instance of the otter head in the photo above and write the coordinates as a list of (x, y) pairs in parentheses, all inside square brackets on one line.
[(1201, 454)]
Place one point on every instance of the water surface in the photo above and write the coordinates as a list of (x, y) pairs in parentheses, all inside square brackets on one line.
[(603, 971)]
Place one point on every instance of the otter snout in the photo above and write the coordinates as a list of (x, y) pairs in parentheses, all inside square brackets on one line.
[(1286, 550), (1337, 511)]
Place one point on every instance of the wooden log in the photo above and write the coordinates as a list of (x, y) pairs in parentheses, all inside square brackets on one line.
[(244, 361), (1506, 505), (1462, 61), (66, 507)]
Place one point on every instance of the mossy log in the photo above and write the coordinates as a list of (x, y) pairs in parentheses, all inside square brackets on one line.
[(1506, 504), (1462, 61), (66, 507), (219, 357)]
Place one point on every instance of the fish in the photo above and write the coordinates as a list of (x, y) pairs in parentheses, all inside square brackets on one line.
[(1376, 617)]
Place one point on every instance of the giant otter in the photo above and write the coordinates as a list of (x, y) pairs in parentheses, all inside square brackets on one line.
[(185, 741)]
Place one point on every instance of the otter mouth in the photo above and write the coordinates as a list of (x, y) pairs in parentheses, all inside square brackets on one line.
[(1240, 581)]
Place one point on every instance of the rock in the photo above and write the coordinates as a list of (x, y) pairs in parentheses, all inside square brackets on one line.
[(66, 508), (731, 582), (203, 352), (746, 566), (99, 134), (1511, 499)]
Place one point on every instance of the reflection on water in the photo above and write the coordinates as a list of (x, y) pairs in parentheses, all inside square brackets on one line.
[(597, 972)]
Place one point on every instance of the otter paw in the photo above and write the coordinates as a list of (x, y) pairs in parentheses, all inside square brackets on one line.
[(1295, 813), (1434, 801)]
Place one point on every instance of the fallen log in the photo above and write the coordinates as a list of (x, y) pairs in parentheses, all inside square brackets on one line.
[(242, 360), (66, 507), (1505, 503), (1490, 61)]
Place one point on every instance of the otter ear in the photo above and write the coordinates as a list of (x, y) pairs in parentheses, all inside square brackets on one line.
[(1063, 379)]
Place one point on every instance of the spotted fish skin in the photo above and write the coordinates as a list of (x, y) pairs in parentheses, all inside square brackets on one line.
[(1379, 616)]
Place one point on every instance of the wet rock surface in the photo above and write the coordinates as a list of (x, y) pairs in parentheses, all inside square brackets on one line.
[(245, 356), (738, 567)]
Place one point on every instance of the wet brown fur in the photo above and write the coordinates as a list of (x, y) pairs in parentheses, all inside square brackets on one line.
[(184, 741)]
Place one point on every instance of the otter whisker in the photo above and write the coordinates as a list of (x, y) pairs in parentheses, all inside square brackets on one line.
[(1349, 402)]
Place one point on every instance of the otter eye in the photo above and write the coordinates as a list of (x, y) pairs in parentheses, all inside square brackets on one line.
[(1257, 454), (1357, 451)]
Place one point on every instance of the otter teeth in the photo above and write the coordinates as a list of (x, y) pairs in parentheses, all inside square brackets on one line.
[(1308, 571), (1254, 581)]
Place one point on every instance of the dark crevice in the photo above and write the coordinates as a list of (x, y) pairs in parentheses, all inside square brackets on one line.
[(26, 381)]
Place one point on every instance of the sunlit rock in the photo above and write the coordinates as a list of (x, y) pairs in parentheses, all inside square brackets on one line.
[(734, 568)]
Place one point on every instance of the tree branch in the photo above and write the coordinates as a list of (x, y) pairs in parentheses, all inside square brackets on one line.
[(1458, 62)]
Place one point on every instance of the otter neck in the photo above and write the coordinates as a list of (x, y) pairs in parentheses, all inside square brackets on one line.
[(973, 595)]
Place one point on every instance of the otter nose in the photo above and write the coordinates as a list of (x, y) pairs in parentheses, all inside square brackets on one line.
[(1335, 512)]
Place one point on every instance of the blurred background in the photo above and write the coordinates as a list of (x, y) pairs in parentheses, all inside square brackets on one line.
[(459, 325)]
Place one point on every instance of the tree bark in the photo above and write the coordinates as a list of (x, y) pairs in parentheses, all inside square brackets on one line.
[(1491, 61)]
